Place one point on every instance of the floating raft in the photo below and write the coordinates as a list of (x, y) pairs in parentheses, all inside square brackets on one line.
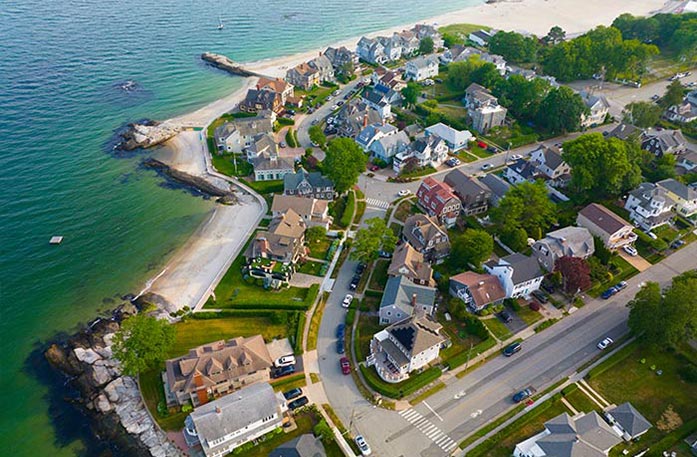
[(56, 240)]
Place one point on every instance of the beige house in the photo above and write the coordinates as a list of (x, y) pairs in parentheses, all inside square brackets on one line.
[(313, 211), (303, 76), (283, 241), (606, 225), (278, 86), (410, 263), (215, 369)]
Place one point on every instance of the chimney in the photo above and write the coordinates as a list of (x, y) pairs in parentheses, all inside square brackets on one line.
[(413, 299), (384, 121), (365, 120)]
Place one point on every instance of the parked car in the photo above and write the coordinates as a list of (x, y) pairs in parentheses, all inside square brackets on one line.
[(631, 250), (283, 371), (340, 346), (504, 316), (522, 395), (608, 293), (374, 168), (512, 349), (655, 97), (360, 268), (621, 285), (299, 403), (492, 149), (293, 393), (354, 282), (516, 157), (385, 254), (539, 295), (403, 192), (283, 144), (284, 361), (336, 92), (363, 446), (345, 365), (605, 343), (453, 162), (347, 301), (340, 331), (481, 144), (677, 244), (486, 166)]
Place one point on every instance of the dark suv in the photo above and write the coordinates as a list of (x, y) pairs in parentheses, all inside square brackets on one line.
[(300, 402), (504, 316), (512, 349), (283, 371), (293, 393)]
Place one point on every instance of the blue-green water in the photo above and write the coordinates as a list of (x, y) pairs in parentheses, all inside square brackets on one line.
[(59, 62)]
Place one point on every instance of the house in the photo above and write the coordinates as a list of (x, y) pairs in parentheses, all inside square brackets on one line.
[(606, 225), (598, 108), (271, 167), (473, 194), (520, 171), (377, 101), (261, 145), (371, 50), (625, 131), (481, 37), (236, 136), (341, 57), (277, 86), (259, 100), (687, 160), (649, 206), (308, 184), (404, 347), (388, 80), (483, 108), (314, 212), (549, 162), (585, 434), (324, 67), (427, 236), (374, 132), (498, 187), (628, 420), (565, 242), (477, 290), (409, 43), (283, 241), (402, 298), (306, 445), (660, 142), (455, 139), (410, 263), (389, 146), (353, 117), (422, 152), (685, 197), (391, 94), (425, 30), (526, 73), (439, 200), (461, 54), (682, 113), (216, 369), (519, 275), (421, 68), (304, 76), (229, 422)]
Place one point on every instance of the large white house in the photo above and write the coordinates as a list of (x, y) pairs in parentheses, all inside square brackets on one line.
[(455, 139), (421, 68), (519, 275), (649, 206)]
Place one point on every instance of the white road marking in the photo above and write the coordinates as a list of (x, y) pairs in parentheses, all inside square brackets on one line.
[(430, 430), (375, 203), (433, 411)]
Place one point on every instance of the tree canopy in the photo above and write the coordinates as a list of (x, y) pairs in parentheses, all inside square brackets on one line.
[(317, 136), (473, 70), (426, 45), (522, 97), (675, 32), (375, 237), (514, 47), (473, 247), (141, 343), (525, 206), (673, 95), (642, 114), (343, 163), (575, 273), (602, 166), (410, 94), (555, 35), (560, 111), (666, 319)]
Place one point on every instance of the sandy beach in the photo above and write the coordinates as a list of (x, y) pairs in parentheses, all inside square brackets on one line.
[(194, 271)]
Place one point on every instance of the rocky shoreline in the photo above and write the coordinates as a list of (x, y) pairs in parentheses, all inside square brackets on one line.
[(111, 401), (146, 134)]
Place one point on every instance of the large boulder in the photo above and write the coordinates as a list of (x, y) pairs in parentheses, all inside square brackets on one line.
[(88, 355)]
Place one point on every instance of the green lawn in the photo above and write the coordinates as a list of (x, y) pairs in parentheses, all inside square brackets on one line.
[(497, 328), (479, 152), (462, 343), (225, 164), (311, 268), (623, 270), (528, 315), (267, 187), (318, 249), (314, 323), (406, 209), (378, 280), (153, 393), (463, 29), (367, 327), (291, 382), (396, 229), (580, 401)]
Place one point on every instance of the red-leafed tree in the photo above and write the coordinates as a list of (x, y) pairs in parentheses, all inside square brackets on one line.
[(575, 273)]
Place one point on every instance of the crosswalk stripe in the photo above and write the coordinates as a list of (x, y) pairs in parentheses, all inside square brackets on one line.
[(432, 434), (425, 426), (375, 203), (442, 440), (450, 446)]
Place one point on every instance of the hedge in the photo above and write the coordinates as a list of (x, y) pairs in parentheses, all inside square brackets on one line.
[(285, 121), (373, 293), (290, 139), (409, 386), (347, 217), (571, 388)]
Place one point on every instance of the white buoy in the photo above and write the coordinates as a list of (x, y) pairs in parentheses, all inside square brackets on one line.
[(56, 240)]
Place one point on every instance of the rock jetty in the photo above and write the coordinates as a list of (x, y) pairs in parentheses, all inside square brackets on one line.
[(146, 134), (225, 195), (227, 64), (112, 400)]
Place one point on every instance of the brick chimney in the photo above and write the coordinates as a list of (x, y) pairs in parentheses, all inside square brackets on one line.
[(413, 299)]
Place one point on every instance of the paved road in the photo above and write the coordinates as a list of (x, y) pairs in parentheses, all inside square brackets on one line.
[(429, 428)]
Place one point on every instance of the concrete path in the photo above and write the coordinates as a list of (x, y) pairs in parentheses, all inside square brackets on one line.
[(637, 262)]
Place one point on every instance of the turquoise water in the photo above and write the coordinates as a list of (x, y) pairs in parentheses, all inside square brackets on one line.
[(60, 60)]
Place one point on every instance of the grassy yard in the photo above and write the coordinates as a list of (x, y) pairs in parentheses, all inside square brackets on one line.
[(153, 393), (314, 324), (462, 343), (497, 328), (396, 229), (267, 187), (291, 382), (406, 209), (379, 276), (311, 268), (367, 327), (528, 315), (580, 401), (622, 271), (225, 164), (463, 29)]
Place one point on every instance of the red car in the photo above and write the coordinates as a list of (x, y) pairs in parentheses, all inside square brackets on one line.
[(345, 365), (481, 144), (374, 168)]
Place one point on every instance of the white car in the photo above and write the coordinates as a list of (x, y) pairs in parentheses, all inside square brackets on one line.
[(403, 192), (285, 361), (630, 250), (363, 446), (605, 343), (516, 157), (486, 166), (347, 301)]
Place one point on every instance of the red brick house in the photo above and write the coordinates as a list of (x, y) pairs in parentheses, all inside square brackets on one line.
[(438, 199)]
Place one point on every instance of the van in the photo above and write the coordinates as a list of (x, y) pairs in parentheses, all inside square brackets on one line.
[(512, 349)]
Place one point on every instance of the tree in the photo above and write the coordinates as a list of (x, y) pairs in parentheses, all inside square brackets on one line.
[(317, 136), (525, 206), (459, 73), (520, 96), (602, 166), (669, 319), (555, 35), (658, 168), (514, 237), (343, 163), (561, 111), (601, 252), (377, 236), (141, 343), (575, 273), (410, 94), (323, 431), (471, 248), (514, 47), (486, 75), (642, 114), (426, 45), (673, 95), (315, 234)]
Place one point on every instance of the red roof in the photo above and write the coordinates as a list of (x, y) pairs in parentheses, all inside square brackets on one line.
[(435, 196)]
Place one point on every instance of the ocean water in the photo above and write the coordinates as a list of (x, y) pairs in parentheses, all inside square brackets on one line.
[(61, 62)]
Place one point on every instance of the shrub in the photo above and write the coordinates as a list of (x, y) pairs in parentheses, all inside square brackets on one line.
[(688, 373), (512, 303), (347, 217), (285, 121), (535, 306)]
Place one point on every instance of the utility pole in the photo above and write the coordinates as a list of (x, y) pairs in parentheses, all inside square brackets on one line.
[(507, 152), (468, 356)]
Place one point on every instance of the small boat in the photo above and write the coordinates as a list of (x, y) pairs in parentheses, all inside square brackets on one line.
[(221, 26), (56, 240)]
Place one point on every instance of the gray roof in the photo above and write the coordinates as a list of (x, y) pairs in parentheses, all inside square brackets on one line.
[(465, 185), (630, 419), (235, 412), (678, 188), (498, 186), (416, 334), (669, 139), (585, 436), (624, 131), (552, 157), (272, 163), (591, 100), (603, 218), (399, 291), (525, 169), (648, 192), (315, 179), (524, 268), (368, 134), (303, 446), (424, 61), (570, 241)]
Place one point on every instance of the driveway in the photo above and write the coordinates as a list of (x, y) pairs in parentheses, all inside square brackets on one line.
[(636, 261)]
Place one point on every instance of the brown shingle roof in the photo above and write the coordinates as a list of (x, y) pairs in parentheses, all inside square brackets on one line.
[(485, 289), (604, 218)]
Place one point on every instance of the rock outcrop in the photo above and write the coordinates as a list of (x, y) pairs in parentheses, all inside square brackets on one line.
[(226, 195), (146, 134), (110, 398), (227, 64)]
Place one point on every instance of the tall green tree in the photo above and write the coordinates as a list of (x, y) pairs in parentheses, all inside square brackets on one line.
[(642, 114), (317, 136), (410, 94), (561, 111), (473, 247), (343, 163), (460, 73), (525, 206), (426, 45), (141, 343), (375, 237), (673, 95), (514, 47), (555, 35), (520, 96)]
